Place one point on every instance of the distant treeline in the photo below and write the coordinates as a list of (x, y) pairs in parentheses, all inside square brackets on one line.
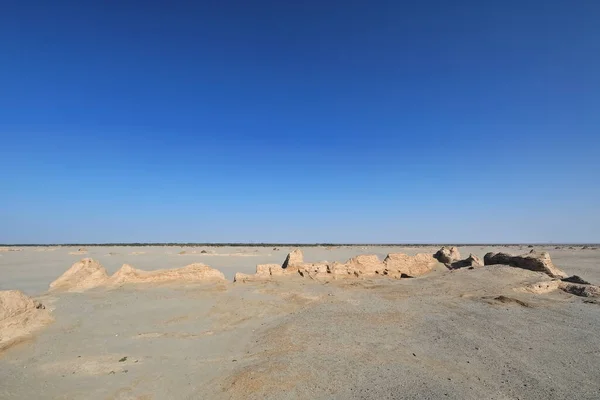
[(297, 244)]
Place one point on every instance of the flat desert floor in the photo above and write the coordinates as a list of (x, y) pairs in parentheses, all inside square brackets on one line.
[(461, 334)]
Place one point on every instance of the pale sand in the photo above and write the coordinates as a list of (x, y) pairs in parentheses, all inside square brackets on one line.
[(465, 334)]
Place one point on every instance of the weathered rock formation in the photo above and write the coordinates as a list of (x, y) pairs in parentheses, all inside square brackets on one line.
[(399, 265), (87, 274), (190, 273), (83, 275), (447, 255), (20, 316), (396, 265), (541, 287), (580, 289), (365, 265), (576, 279), (241, 277), (539, 262), (293, 259), (577, 289), (264, 272), (471, 261), (314, 270), (268, 269)]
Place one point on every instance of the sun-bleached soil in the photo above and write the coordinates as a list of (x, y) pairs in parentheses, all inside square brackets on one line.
[(457, 334)]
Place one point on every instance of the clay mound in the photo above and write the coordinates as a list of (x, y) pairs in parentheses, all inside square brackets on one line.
[(294, 259), (447, 255), (20, 316), (539, 262), (82, 275), (398, 265), (190, 273)]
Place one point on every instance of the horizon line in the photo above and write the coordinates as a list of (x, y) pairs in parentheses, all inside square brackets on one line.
[(267, 244)]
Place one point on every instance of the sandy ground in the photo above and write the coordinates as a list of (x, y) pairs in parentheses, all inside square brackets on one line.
[(465, 334)]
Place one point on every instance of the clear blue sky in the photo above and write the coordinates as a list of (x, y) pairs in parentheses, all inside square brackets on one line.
[(314, 121)]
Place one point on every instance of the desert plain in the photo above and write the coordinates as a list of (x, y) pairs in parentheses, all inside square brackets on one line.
[(482, 332)]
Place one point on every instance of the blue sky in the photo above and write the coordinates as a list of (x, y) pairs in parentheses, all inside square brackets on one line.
[(338, 121)]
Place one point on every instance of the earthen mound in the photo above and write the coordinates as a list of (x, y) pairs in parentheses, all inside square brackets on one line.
[(82, 275), (20, 316), (539, 262)]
